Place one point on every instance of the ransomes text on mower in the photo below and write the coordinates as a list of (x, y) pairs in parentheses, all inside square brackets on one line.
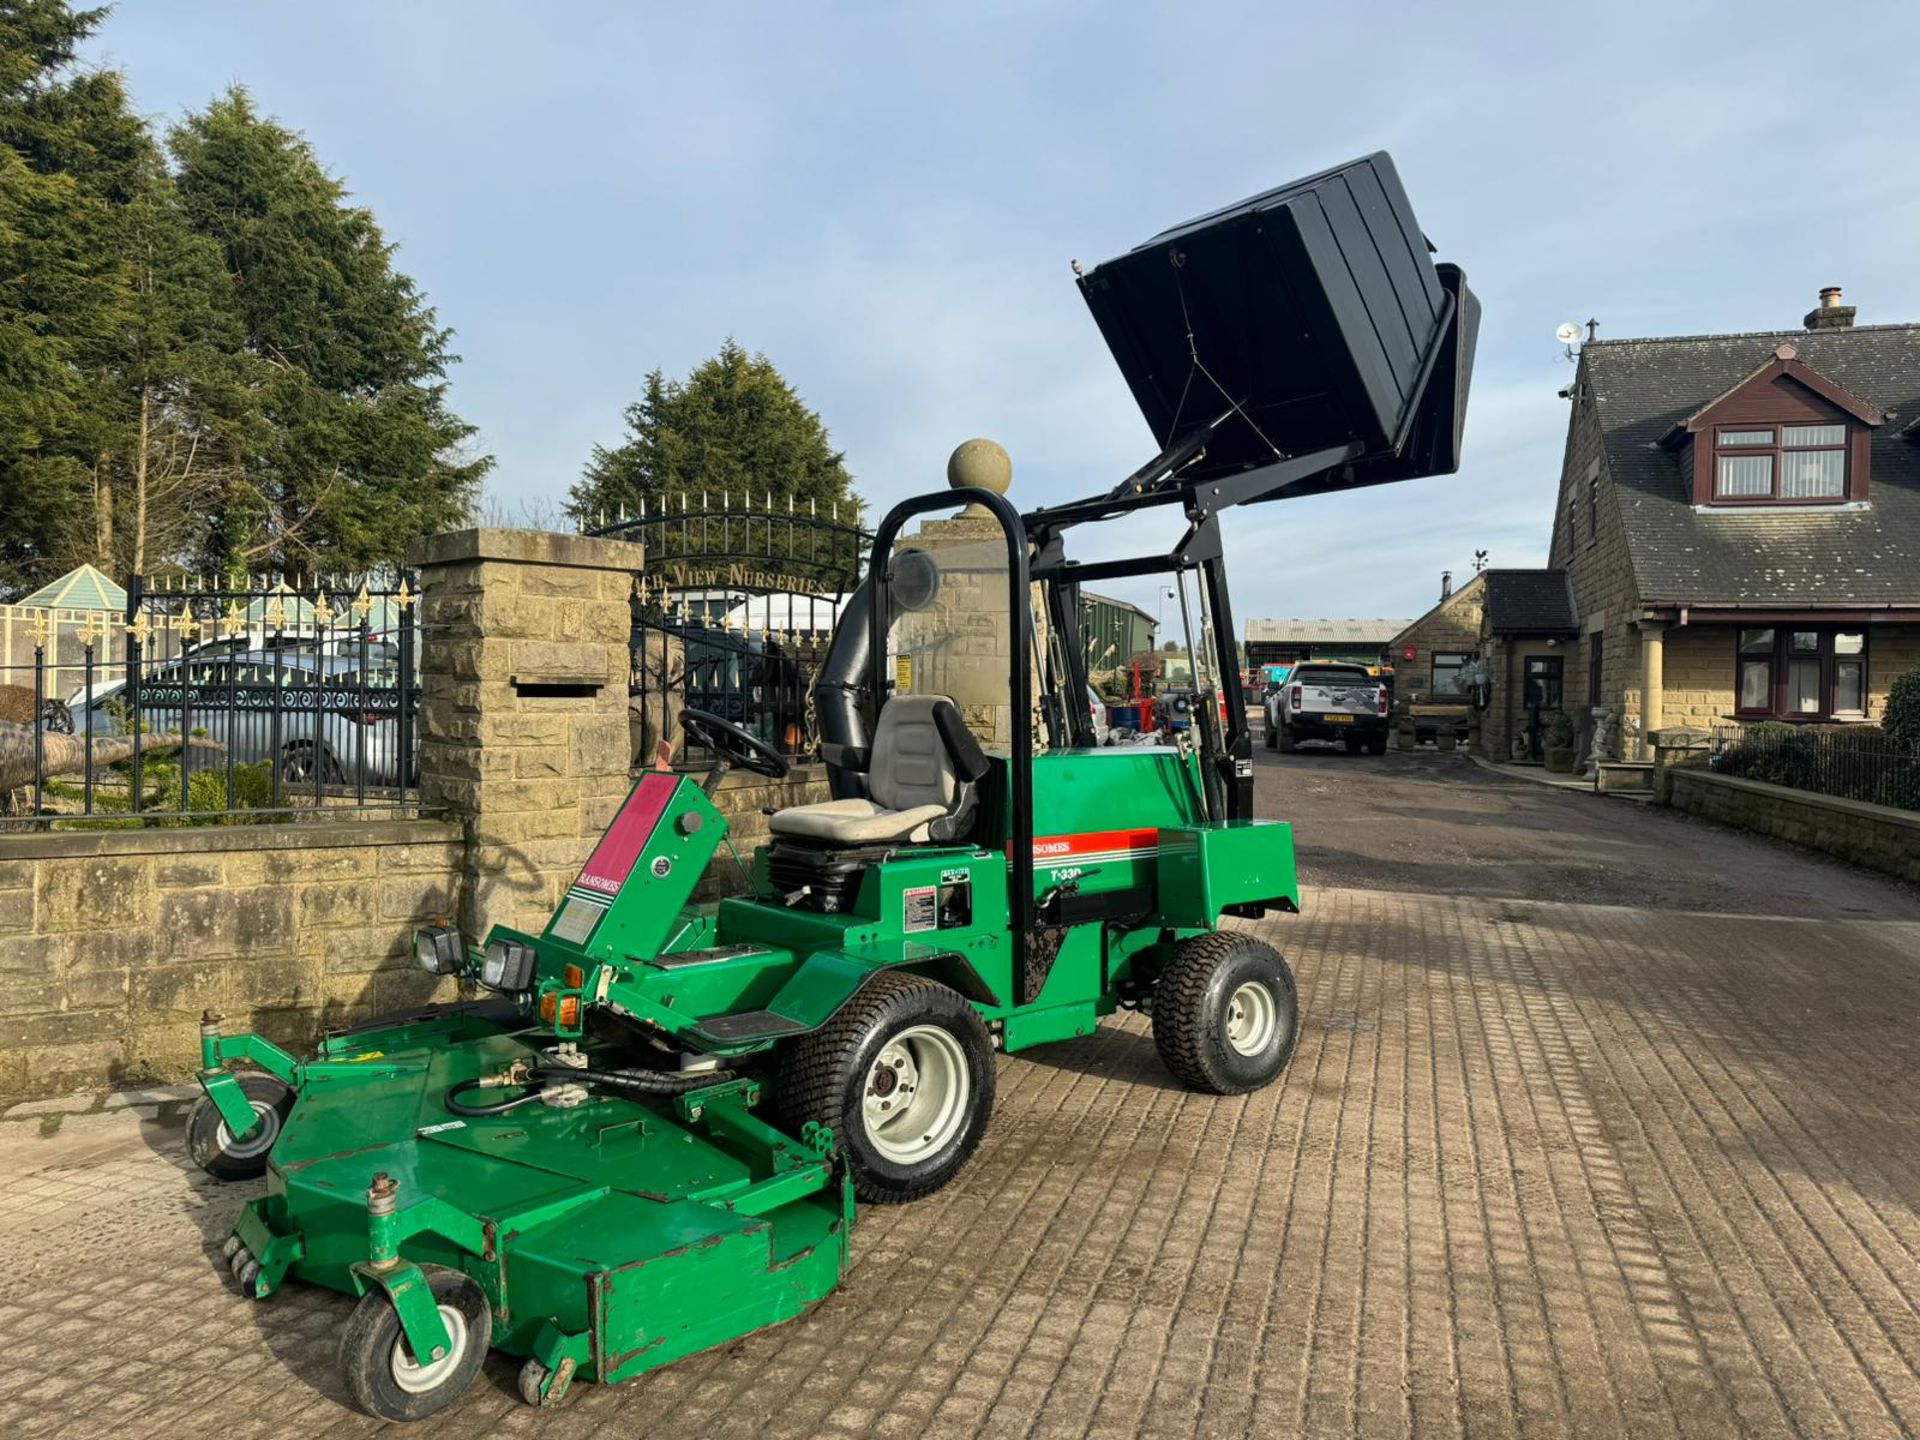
[(649, 1138)]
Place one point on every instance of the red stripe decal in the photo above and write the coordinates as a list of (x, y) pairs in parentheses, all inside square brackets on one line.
[(1049, 849), (612, 860)]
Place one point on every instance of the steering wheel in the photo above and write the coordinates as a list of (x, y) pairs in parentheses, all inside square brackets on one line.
[(733, 744)]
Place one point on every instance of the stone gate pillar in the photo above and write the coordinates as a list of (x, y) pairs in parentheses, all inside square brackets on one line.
[(523, 717)]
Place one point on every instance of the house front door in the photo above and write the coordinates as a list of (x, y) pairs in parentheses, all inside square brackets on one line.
[(1545, 690)]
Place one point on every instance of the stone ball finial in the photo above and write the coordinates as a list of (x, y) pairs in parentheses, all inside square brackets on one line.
[(981, 463)]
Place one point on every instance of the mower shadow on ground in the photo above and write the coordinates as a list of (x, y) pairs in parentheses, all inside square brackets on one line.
[(1110, 1053), (297, 1325)]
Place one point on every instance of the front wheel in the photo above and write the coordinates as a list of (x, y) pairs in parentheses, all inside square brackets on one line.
[(213, 1146), (383, 1375), (903, 1076), (1225, 1015)]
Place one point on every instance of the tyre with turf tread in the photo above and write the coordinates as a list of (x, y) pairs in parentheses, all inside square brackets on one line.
[(903, 1075), (212, 1145), (383, 1376), (1225, 1013)]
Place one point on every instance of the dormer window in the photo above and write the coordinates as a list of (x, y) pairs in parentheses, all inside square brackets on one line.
[(1780, 462), (1785, 435)]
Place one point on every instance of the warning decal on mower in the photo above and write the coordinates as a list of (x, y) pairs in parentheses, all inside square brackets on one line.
[(922, 908), (614, 857)]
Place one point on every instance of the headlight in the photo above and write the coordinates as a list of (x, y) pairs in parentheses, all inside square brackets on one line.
[(437, 949), (508, 966)]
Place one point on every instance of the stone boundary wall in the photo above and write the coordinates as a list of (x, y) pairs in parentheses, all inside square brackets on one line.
[(1876, 836), (113, 942)]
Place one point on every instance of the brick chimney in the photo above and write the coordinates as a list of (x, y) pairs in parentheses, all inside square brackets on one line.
[(1829, 314)]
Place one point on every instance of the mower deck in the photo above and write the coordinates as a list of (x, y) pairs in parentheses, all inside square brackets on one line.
[(618, 1234)]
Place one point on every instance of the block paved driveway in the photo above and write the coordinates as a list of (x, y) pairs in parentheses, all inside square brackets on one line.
[(1601, 1124)]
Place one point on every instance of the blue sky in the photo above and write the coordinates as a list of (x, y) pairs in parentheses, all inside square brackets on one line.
[(885, 198)]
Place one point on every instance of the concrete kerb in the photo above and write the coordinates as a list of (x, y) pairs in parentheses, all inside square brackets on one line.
[(1539, 775)]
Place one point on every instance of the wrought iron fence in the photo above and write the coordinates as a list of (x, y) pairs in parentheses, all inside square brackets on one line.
[(733, 615), (216, 703), (1848, 762)]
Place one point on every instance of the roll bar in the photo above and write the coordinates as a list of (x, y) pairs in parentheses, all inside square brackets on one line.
[(1020, 649)]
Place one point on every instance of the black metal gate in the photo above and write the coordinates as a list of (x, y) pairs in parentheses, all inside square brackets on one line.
[(267, 697), (733, 613)]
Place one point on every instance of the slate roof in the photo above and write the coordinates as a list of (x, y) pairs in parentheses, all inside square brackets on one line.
[(1530, 602), (1323, 632), (1803, 555)]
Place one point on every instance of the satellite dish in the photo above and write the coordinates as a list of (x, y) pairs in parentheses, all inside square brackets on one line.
[(1568, 334)]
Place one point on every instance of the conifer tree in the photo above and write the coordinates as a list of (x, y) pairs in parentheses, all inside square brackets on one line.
[(360, 453), (733, 426)]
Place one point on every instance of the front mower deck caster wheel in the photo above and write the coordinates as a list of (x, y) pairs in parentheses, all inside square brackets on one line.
[(903, 1076), (214, 1148), (1225, 1016), (382, 1374), (245, 1268), (533, 1375)]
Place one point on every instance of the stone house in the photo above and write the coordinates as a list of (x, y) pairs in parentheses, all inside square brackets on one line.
[(1527, 629), (1738, 521), (1428, 654)]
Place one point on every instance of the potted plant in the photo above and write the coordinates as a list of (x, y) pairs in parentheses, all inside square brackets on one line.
[(1558, 743)]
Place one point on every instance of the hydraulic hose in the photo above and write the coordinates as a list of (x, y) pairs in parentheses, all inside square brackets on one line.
[(500, 1107), (645, 1082)]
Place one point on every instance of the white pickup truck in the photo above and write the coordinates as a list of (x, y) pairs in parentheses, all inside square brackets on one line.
[(1324, 701)]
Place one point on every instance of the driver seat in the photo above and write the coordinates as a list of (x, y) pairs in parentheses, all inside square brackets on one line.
[(924, 773)]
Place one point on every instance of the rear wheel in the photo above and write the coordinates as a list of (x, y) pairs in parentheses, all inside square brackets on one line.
[(1352, 742), (903, 1076), (1273, 732), (1225, 1015), (300, 759), (1287, 742), (1376, 744), (213, 1146), (383, 1375)]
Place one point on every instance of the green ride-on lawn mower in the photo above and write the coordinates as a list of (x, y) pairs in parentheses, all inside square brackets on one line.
[(649, 1137)]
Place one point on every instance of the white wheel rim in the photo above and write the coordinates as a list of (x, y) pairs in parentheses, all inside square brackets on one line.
[(259, 1140), (418, 1379), (915, 1096), (1253, 1019)]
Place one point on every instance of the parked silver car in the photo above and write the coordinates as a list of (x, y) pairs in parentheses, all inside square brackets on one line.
[(313, 711)]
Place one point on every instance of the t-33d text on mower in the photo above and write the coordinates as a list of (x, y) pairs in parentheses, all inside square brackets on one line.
[(650, 1138)]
